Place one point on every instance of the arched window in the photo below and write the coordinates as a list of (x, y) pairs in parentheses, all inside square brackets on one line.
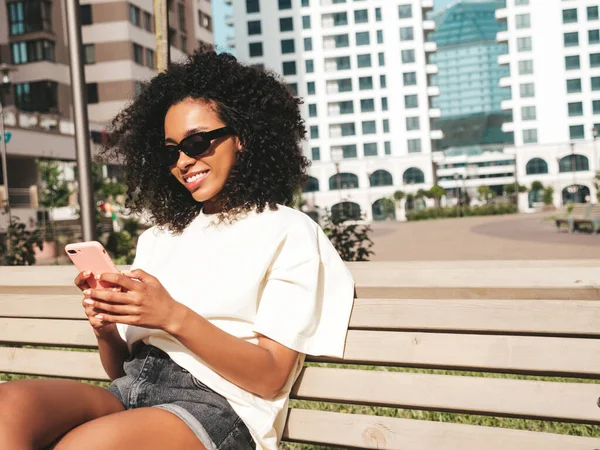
[(311, 185), (345, 211), (413, 176), (536, 166), (578, 162), (381, 178), (383, 209), (575, 193), (346, 181)]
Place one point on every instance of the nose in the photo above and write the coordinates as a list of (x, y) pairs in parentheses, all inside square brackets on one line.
[(184, 161)]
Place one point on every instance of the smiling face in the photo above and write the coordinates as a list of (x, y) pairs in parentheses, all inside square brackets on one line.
[(205, 175)]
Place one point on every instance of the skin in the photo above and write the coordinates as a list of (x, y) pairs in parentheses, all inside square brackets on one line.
[(88, 417)]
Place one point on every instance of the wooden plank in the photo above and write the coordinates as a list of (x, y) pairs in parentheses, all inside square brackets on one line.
[(491, 396), (558, 317), (48, 332), (373, 432), (56, 363), (510, 354), (42, 306)]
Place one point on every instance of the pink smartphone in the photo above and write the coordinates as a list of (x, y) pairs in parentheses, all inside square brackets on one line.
[(91, 256)]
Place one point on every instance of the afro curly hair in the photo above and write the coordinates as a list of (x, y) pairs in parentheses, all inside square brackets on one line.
[(254, 103)]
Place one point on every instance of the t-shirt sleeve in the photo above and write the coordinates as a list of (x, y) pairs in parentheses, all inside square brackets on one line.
[(308, 294)]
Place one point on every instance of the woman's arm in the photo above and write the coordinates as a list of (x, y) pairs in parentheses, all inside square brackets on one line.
[(113, 352)]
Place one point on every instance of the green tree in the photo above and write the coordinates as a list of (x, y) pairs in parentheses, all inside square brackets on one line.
[(485, 193), (437, 192), (399, 195), (23, 243), (537, 186), (547, 196), (54, 190), (388, 205), (597, 186), (352, 242)]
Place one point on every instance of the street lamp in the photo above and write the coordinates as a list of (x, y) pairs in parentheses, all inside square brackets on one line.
[(595, 134), (5, 83), (455, 176), (574, 169), (336, 156)]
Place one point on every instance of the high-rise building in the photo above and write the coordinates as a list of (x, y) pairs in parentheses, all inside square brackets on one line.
[(554, 60), (469, 74), (362, 69)]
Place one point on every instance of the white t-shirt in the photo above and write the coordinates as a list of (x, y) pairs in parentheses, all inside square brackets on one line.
[(273, 273)]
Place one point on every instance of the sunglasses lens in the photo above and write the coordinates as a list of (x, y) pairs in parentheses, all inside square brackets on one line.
[(195, 146), (169, 156)]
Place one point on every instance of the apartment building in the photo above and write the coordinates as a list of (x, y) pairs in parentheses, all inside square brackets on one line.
[(554, 60), (362, 70)]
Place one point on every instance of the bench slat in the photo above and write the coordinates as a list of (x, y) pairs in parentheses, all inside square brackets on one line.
[(373, 432), (48, 332), (562, 317), (65, 364), (463, 394), (42, 306), (516, 354)]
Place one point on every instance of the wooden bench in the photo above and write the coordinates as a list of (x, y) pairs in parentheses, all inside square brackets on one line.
[(538, 318), (592, 221), (579, 213)]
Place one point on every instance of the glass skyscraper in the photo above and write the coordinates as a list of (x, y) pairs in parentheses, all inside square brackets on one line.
[(469, 74)]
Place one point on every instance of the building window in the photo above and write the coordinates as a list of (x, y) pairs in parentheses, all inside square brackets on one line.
[(252, 6), (288, 46), (573, 86), (255, 49), (595, 60), (306, 22), (308, 44), (523, 21), (528, 113), (254, 27), (524, 44), (305, 3), (530, 136), (346, 107), (314, 132), (596, 106), (184, 43), (369, 127), (285, 4), (594, 36), (367, 105), (572, 62), (404, 11), (363, 38), (39, 96), (407, 33), (370, 149), (349, 151), (412, 123), (150, 58), (526, 67), (592, 13), (138, 54), (378, 14), (92, 93), (286, 24), (85, 14), (205, 21), (571, 39), (595, 83), (312, 110), (387, 148), (408, 56), (384, 104), (339, 63), (569, 15), (364, 60), (89, 54), (339, 20), (29, 16), (380, 36), (381, 58), (414, 146), (361, 16), (576, 132), (340, 41), (148, 22), (31, 51), (521, 2), (386, 126), (411, 101), (316, 153), (527, 90), (134, 15), (181, 16), (536, 166), (310, 88), (289, 68), (310, 66), (382, 82), (409, 78), (365, 83)]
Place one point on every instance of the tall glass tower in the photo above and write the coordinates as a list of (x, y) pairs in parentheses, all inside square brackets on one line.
[(469, 74)]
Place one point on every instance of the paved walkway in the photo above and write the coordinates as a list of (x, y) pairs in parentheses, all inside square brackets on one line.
[(523, 236)]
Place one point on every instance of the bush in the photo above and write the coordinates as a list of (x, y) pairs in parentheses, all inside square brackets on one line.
[(547, 196), (121, 247), (352, 241), (23, 243), (441, 213)]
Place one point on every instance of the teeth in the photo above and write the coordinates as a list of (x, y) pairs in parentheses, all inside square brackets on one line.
[(195, 177)]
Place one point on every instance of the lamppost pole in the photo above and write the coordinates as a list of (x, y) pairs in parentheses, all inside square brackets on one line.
[(595, 135), (5, 70), (574, 170), (455, 176), (336, 156)]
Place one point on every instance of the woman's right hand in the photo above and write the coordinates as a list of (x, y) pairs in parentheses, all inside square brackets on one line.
[(100, 328)]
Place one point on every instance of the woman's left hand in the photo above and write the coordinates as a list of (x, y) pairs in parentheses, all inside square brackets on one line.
[(143, 301)]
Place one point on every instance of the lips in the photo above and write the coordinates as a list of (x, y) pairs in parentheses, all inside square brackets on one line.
[(194, 179)]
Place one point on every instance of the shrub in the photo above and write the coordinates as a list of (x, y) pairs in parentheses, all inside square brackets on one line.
[(547, 196), (23, 243), (484, 210), (351, 241)]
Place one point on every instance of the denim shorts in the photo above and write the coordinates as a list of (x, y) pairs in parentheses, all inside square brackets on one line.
[(152, 379)]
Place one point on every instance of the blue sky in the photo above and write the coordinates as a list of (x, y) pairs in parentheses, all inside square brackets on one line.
[(220, 9)]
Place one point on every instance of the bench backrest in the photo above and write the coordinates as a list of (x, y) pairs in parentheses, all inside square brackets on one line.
[(595, 210), (581, 210), (538, 318)]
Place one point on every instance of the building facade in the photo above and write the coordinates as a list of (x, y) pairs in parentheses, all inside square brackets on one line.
[(554, 60), (362, 69)]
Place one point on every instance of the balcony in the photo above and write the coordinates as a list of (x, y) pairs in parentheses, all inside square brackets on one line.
[(505, 82), (228, 2), (433, 91), (508, 127), (229, 20), (504, 60), (428, 26), (502, 36), (506, 105), (501, 14), (435, 113), (431, 69), (430, 47), (436, 135), (426, 5), (231, 42)]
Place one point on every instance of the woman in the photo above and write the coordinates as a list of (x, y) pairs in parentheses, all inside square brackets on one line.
[(206, 336)]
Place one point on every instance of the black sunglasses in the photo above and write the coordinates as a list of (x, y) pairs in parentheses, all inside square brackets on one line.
[(193, 145)]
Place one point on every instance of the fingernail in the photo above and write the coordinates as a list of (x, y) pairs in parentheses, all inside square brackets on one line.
[(97, 277), (88, 301), (116, 289), (87, 292), (87, 273), (99, 316)]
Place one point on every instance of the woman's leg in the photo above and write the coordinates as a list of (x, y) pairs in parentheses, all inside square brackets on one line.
[(144, 428), (35, 413)]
